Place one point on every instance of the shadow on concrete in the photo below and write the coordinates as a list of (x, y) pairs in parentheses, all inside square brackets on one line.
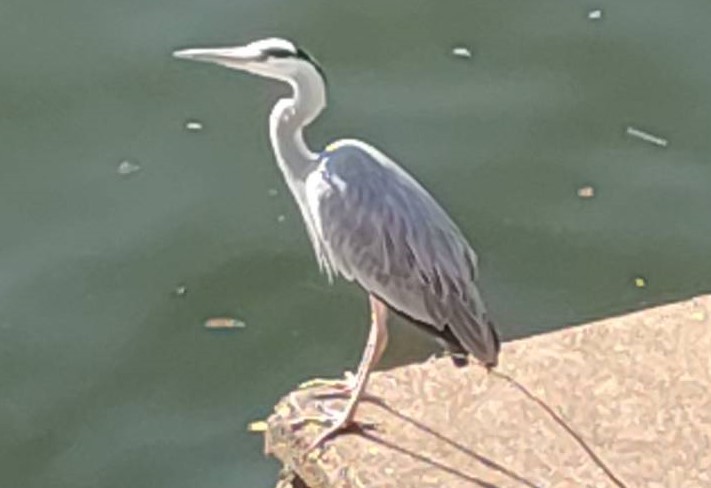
[(489, 463)]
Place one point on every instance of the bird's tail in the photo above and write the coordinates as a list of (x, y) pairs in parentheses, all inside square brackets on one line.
[(497, 344), (478, 336)]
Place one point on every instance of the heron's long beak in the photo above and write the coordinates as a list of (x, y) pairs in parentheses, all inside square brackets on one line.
[(233, 57)]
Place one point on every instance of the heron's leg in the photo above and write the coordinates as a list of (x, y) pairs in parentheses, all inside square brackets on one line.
[(377, 339), (345, 386), (381, 341)]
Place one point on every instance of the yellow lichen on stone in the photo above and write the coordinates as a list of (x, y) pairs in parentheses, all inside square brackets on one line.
[(698, 315)]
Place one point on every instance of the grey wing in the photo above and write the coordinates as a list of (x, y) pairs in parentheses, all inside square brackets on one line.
[(377, 226)]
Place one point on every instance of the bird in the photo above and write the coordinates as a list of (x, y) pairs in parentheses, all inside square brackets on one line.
[(369, 221)]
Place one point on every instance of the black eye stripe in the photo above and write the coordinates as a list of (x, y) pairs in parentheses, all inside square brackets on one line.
[(300, 53), (278, 52), (281, 53)]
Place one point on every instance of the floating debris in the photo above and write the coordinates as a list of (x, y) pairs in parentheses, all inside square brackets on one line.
[(586, 192), (272, 192), (127, 167), (595, 14), (640, 282), (257, 426), (224, 323), (462, 52), (646, 136), (281, 218), (180, 290), (193, 125)]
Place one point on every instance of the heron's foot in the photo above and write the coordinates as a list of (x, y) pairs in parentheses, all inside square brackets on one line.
[(344, 385), (334, 388), (340, 422), (302, 420)]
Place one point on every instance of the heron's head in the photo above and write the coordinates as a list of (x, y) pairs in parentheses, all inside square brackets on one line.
[(271, 58)]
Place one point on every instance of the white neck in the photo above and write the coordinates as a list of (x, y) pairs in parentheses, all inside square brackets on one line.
[(288, 119)]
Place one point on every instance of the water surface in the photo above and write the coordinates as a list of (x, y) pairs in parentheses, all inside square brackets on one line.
[(109, 379)]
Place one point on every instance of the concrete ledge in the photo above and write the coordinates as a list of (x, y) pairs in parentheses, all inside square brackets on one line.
[(635, 389)]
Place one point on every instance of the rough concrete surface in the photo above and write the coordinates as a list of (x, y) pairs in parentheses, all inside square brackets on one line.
[(634, 392)]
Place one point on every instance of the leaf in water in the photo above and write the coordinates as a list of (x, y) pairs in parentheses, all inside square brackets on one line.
[(180, 290), (127, 167), (586, 192), (462, 52), (224, 323), (194, 125), (257, 426)]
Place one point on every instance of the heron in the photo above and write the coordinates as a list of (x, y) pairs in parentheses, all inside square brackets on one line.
[(368, 220)]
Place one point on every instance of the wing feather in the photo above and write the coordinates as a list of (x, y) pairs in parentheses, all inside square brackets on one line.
[(378, 226)]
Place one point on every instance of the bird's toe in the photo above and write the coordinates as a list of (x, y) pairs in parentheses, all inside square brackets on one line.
[(336, 384), (339, 425)]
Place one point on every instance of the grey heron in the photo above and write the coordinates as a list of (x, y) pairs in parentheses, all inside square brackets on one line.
[(368, 220)]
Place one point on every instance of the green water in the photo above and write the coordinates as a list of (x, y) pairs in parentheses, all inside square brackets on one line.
[(109, 379)]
